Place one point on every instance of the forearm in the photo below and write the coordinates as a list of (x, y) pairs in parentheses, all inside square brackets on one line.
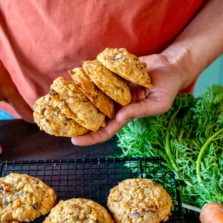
[(10, 94), (199, 44)]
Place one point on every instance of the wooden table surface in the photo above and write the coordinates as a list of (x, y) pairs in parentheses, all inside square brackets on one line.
[(23, 141)]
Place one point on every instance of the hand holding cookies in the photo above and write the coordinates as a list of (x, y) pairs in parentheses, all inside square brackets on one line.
[(81, 108), (166, 83)]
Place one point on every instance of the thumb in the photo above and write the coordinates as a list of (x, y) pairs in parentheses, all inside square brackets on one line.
[(90, 138), (147, 107)]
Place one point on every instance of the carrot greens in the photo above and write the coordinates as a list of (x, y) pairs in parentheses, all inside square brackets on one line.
[(189, 138)]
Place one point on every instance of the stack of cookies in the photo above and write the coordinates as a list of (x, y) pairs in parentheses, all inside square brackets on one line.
[(73, 107)]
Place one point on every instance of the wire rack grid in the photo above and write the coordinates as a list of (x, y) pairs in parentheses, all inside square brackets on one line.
[(93, 178)]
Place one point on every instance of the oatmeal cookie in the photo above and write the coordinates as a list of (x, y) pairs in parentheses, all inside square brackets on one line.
[(109, 83), (92, 92), (87, 115), (24, 198), (55, 118), (126, 65), (139, 201), (78, 210)]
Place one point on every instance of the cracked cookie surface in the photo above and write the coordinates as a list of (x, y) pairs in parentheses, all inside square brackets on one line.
[(55, 118), (24, 198), (111, 84), (126, 65), (87, 115), (139, 201), (78, 210), (92, 92)]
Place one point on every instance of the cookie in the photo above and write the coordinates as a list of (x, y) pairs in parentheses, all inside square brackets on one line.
[(109, 83), (139, 201), (92, 92), (126, 65), (55, 118), (87, 115), (78, 210), (24, 198)]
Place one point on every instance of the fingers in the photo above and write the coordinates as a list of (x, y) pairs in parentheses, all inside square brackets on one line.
[(102, 135), (140, 109), (22, 108), (155, 103), (138, 94), (146, 102), (150, 106)]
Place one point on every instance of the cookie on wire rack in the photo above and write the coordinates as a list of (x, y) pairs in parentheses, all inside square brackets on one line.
[(139, 200), (78, 210), (24, 198)]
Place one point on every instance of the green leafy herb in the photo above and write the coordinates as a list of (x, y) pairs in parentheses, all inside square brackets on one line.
[(189, 138)]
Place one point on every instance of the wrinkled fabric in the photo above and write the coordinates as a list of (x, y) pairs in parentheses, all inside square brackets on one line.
[(40, 40)]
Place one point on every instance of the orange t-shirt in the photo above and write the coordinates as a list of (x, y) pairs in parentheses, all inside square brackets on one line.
[(40, 40)]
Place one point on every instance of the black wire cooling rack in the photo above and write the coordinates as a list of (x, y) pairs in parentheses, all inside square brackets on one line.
[(93, 178)]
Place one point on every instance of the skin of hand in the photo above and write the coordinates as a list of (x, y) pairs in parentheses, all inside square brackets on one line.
[(146, 102), (10, 94), (176, 68), (212, 213)]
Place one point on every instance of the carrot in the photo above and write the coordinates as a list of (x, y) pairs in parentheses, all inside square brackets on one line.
[(212, 213)]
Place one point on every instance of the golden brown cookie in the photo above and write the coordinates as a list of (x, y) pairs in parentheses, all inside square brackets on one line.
[(92, 92), (55, 117), (109, 83), (24, 198), (87, 115), (78, 210), (125, 64), (139, 201)]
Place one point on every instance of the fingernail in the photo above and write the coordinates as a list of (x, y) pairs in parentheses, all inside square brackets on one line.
[(74, 141), (204, 205)]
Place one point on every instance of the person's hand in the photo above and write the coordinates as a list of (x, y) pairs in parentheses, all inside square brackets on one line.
[(10, 94), (167, 81), (212, 213)]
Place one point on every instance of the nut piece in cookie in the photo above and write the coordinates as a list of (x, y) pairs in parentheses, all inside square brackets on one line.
[(92, 92), (55, 118), (109, 83), (24, 198), (78, 210), (87, 115), (126, 65), (139, 201)]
